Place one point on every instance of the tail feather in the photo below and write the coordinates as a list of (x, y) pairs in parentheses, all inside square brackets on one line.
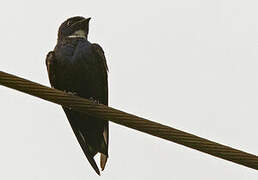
[(90, 144), (86, 151), (104, 157), (92, 162), (103, 161)]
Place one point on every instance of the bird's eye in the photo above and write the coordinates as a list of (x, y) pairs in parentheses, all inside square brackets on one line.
[(68, 23)]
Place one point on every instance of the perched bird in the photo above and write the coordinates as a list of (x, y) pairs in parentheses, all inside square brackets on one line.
[(79, 66)]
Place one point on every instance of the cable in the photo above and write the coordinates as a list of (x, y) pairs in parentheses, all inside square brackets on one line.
[(129, 120)]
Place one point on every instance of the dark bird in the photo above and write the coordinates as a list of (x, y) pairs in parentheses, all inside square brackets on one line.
[(79, 67)]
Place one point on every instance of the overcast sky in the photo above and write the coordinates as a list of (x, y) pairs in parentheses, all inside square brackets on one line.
[(189, 64)]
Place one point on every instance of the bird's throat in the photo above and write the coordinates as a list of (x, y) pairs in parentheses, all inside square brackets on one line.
[(78, 34)]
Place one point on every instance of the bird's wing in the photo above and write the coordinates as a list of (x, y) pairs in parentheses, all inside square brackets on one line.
[(51, 68), (98, 51), (102, 63), (51, 64)]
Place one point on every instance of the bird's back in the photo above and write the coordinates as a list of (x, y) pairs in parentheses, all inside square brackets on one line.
[(80, 69)]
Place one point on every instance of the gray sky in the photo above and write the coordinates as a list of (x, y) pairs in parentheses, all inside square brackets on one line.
[(190, 64)]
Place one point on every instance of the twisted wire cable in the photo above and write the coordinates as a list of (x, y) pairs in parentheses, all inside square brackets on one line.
[(110, 114)]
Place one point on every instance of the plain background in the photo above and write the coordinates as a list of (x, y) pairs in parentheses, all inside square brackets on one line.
[(189, 64)]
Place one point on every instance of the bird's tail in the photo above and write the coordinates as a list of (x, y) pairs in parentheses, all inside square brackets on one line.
[(104, 157), (103, 161), (89, 153), (90, 142), (87, 149)]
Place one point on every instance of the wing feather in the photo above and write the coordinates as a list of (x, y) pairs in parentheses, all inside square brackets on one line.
[(52, 74), (103, 63), (51, 64), (51, 68)]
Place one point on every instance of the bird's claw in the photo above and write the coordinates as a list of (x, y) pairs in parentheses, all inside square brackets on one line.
[(71, 93), (94, 100)]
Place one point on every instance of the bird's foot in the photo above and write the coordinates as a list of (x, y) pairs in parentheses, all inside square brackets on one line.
[(94, 100), (71, 93)]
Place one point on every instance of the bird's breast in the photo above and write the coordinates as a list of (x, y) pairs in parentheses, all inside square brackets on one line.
[(73, 51), (77, 68)]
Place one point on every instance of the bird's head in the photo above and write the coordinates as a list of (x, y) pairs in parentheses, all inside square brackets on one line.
[(74, 27)]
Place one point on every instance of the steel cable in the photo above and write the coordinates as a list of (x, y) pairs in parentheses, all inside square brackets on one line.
[(129, 120)]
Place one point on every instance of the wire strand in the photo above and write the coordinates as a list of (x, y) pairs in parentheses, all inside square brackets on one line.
[(129, 120)]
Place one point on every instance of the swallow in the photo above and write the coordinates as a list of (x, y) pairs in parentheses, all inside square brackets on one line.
[(79, 67)]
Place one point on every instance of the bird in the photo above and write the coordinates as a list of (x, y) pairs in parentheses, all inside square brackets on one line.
[(79, 67)]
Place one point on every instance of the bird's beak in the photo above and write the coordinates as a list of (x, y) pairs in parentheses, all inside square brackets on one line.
[(83, 24), (88, 19), (85, 21)]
